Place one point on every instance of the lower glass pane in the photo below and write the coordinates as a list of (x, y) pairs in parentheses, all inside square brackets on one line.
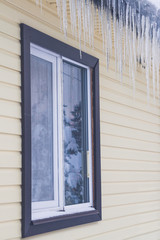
[(75, 113), (42, 130)]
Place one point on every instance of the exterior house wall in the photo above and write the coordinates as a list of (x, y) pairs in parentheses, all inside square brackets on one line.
[(130, 139)]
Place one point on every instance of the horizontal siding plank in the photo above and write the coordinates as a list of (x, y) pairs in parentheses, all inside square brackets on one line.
[(15, 239), (129, 187), (10, 212), (128, 210), (9, 27), (10, 160), (114, 118), (114, 129), (10, 126), (119, 176), (10, 109), (10, 230), (106, 227), (140, 83), (114, 164), (10, 142), (9, 60), (140, 78), (10, 76), (10, 194), (147, 235), (131, 154), (109, 84), (128, 232), (128, 111), (10, 177), (129, 101), (10, 92), (116, 141), (110, 80), (9, 44), (130, 198)]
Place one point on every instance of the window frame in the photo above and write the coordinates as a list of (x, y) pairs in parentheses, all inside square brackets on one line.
[(57, 207), (29, 227)]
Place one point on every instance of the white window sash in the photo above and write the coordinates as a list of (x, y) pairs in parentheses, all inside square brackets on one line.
[(90, 203), (46, 209), (51, 57)]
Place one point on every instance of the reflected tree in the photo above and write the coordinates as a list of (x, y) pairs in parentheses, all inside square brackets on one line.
[(72, 156)]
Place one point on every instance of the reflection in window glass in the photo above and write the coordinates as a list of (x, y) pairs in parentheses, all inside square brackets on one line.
[(75, 115), (42, 130)]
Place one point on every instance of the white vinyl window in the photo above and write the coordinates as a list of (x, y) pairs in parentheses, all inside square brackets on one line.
[(61, 135)]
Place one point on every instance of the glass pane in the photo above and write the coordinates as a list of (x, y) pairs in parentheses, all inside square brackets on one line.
[(75, 113), (42, 130)]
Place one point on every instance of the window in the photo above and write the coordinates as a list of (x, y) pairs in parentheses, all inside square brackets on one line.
[(60, 135)]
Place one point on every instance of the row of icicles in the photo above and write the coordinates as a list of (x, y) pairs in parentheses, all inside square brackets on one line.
[(135, 39)]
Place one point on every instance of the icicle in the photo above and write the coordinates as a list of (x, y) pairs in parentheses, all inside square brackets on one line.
[(64, 8), (157, 49), (41, 5), (89, 23), (83, 21), (153, 61), (79, 25), (126, 36), (142, 41), (59, 11), (72, 16), (102, 25), (116, 44), (147, 56), (139, 34), (58, 7), (130, 44), (92, 25), (121, 43), (115, 31), (136, 41)]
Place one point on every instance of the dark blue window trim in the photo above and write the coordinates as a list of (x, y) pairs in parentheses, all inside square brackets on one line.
[(29, 227)]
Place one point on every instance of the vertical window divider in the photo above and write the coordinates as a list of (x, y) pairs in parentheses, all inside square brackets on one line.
[(60, 131), (90, 136), (55, 121)]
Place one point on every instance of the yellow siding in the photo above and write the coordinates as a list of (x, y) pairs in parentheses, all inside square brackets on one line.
[(130, 139)]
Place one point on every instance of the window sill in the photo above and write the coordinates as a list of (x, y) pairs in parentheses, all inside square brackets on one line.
[(82, 217), (51, 213)]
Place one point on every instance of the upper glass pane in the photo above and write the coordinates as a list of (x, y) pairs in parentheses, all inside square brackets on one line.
[(42, 130), (75, 120)]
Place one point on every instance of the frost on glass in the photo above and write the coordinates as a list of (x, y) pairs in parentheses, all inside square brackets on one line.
[(42, 131), (75, 134)]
